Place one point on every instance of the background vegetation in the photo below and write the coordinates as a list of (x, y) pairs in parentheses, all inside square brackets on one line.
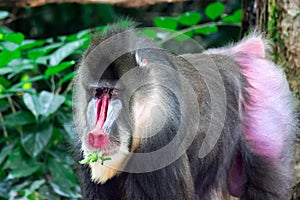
[(39, 50)]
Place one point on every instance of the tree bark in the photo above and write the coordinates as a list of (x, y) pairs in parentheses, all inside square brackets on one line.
[(280, 19), (124, 3), (284, 29), (286, 34)]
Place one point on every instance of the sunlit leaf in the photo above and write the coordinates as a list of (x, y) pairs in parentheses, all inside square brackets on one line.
[(50, 102), (30, 80), (24, 78), (190, 18), (214, 10), (4, 14), (33, 104), (17, 66), (64, 51)]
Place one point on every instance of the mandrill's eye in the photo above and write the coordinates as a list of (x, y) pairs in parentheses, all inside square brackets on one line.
[(97, 92), (113, 93)]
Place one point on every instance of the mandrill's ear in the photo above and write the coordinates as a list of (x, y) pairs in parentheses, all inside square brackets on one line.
[(253, 45)]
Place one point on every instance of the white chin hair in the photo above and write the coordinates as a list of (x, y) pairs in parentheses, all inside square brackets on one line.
[(110, 168)]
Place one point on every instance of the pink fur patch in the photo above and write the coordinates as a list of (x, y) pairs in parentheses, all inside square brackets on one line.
[(267, 110)]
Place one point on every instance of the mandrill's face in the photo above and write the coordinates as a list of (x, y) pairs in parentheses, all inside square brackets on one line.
[(120, 103)]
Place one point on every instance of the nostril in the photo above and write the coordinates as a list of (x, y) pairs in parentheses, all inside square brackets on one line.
[(96, 141), (91, 139)]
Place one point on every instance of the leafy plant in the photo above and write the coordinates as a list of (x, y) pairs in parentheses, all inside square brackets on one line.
[(94, 157), (193, 24), (35, 115)]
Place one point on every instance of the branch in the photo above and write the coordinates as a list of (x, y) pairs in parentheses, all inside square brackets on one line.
[(124, 3)]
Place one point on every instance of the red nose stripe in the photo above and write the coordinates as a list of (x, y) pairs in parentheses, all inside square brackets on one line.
[(102, 105), (97, 138)]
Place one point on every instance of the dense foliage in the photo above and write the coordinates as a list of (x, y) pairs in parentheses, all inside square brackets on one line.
[(36, 101)]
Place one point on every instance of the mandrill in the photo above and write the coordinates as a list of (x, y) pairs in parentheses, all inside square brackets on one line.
[(208, 126)]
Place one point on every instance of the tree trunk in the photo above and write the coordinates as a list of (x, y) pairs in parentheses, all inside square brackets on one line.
[(288, 27), (280, 19)]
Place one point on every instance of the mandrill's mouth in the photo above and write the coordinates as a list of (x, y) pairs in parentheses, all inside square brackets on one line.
[(95, 155), (111, 147)]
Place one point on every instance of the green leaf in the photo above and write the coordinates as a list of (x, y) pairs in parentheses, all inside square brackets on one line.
[(30, 80), (23, 172), (19, 118), (36, 138), (66, 78), (76, 36), (83, 34), (38, 52), (4, 105), (207, 30), (46, 104), (20, 165), (149, 32), (6, 151), (4, 14), (47, 193), (30, 44), (166, 22), (185, 36), (6, 56), (64, 51), (4, 82), (33, 187), (5, 188), (16, 38), (94, 157), (214, 10), (50, 102), (17, 66), (24, 78), (58, 68), (190, 18), (63, 180), (33, 104), (236, 17)]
